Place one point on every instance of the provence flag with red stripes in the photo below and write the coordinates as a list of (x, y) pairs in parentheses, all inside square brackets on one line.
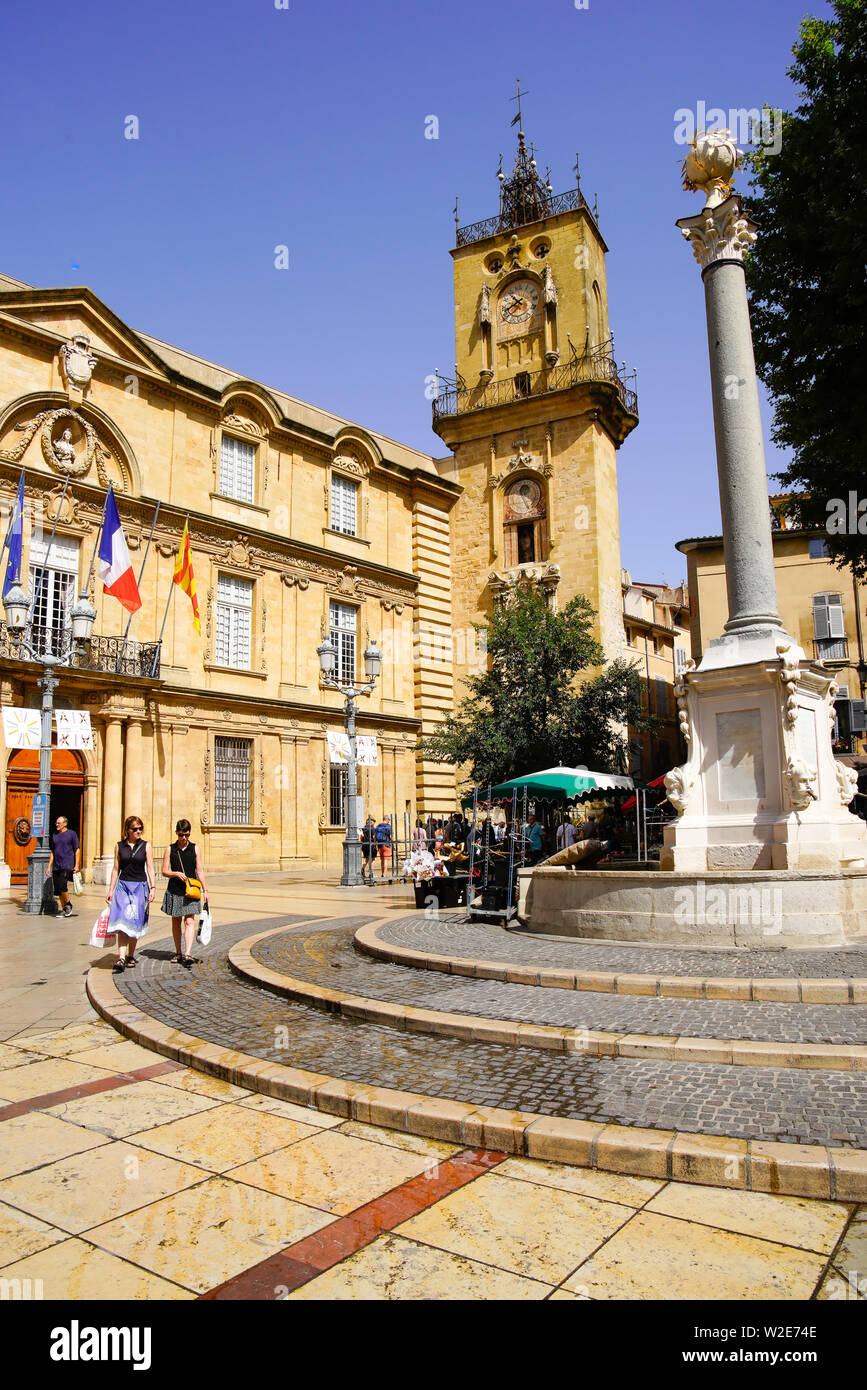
[(184, 576), (115, 568)]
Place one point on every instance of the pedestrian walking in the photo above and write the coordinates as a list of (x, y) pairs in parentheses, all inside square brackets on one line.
[(63, 861), (182, 866), (419, 836), (382, 836), (368, 850), (130, 892)]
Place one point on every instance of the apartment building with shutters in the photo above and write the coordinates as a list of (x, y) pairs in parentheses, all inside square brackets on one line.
[(821, 606), (656, 623)]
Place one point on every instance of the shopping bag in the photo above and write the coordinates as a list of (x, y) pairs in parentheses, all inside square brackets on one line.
[(203, 935), (77, 884), (101, 936)]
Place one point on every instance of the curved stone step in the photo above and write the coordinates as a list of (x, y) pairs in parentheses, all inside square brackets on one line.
[(489, 953), (234, 1040), (302, 965)]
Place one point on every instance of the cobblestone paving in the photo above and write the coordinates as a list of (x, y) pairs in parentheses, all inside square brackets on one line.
[(748, 1102), (448, 935), (329, 959)]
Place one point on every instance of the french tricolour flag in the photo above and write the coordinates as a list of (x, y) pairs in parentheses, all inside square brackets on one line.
[(115, 569)]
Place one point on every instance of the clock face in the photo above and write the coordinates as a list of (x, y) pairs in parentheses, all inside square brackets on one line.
[(519, 302)]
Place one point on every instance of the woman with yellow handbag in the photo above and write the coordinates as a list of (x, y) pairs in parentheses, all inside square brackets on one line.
[(185, 893)]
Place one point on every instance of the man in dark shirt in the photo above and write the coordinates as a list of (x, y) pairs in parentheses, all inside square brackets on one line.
[(64, 861)]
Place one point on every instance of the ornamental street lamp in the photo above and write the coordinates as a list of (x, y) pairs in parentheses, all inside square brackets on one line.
[(82, 618), (352, 873)]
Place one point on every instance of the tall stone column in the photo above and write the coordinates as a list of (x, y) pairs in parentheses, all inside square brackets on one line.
[(91, 836), (112, 771), (719, 235), (132, 772), (760, 788)]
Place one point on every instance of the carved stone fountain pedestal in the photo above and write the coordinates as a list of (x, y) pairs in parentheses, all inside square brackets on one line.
[(761, 788)]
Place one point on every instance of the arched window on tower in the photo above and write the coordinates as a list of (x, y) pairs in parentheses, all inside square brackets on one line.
[(598, 327), (525, 523)]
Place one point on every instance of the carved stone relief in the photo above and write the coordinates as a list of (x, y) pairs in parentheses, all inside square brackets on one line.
[(77, 363)]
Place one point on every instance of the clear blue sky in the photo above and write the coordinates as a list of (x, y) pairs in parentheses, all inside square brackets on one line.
[(305, 127)]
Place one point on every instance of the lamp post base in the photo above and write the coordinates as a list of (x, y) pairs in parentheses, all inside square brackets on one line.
[(36, 866), (352, 876)]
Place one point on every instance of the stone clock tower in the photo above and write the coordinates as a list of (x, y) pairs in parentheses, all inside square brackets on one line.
[(536, 412)]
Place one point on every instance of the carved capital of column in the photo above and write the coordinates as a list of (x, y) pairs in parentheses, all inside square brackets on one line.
[(723, 233)]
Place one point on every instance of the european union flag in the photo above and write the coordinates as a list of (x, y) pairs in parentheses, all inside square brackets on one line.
[(14, 538)]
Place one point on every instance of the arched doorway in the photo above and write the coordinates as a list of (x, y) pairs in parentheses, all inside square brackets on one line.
[(22, 784)]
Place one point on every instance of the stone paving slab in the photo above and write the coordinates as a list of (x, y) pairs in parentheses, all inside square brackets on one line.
[(446, 934), (756, 1103), (329, 959), (262, 1220)]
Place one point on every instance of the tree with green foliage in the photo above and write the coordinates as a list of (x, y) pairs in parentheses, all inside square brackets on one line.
[(807, 281), (525, 712)]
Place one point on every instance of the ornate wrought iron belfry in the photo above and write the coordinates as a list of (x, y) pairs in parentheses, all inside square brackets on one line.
[(524, 197)]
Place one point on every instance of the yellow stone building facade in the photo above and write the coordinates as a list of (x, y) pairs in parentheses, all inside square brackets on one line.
[(300, 523), (821, 606), (656, 623)]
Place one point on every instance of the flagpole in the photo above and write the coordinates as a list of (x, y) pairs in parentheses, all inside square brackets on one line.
[(140, 573), (86, 590), (172, 588), (44, 567), (12, 516)]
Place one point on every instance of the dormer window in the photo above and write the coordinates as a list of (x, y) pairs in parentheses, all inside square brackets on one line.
[(237, 468), (344, 505)]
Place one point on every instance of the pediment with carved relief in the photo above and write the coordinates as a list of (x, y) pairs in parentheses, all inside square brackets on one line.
[(67, 314)]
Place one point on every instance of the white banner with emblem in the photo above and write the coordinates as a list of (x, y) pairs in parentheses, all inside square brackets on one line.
[(365, 750), (73, 728), (22, 728)]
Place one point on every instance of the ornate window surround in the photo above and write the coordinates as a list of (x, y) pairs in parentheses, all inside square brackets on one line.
[(247, 417), (349, 461), (257, 668), (258, 823)]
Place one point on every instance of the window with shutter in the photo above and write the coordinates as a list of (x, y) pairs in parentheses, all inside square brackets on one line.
[(344, 505), (234, 622), (679, 659), (343, 625), (829, 628), (661, 685), (237, 464)]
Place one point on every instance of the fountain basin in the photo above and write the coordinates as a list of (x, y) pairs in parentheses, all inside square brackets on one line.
[(774, 908)]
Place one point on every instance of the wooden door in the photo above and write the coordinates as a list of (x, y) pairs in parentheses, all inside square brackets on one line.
[(22, 784)]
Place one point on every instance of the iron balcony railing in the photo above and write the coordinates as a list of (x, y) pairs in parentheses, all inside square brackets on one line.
[(558, 202), (109, 655), (594, 367)]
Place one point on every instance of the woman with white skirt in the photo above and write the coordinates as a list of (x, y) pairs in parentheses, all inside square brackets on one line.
[(130, 892)]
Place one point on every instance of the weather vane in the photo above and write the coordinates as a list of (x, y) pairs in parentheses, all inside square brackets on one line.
[(518, 121)]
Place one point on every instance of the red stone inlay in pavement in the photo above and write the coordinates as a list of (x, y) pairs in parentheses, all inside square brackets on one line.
[(303, 1261), (87, 1088)]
